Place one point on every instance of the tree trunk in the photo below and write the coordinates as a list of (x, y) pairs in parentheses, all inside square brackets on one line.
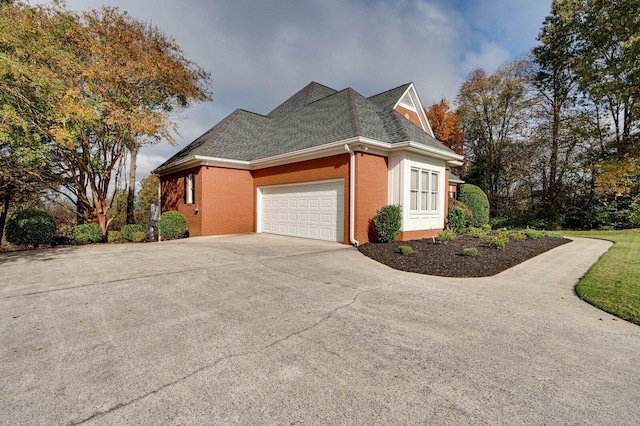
[(8, 192), (131, 193)]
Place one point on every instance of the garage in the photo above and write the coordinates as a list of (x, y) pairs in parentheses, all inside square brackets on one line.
[(309, 210)]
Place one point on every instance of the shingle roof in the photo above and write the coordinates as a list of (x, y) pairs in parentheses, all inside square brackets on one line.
[(314, 116)]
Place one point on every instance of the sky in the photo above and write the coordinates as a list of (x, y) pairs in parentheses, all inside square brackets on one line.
[(260, 52)]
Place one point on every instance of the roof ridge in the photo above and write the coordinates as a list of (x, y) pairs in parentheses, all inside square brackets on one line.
[(390, 90), (353, 109)]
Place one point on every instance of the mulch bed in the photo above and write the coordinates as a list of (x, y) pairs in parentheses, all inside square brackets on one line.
[(447, 260)]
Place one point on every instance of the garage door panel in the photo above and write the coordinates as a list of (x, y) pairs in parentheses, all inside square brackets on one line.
[(313, 210)]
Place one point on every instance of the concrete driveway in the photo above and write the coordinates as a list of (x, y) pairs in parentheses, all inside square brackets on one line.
[(260, 329)]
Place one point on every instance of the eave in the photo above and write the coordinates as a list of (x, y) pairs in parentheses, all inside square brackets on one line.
[(334, 148)]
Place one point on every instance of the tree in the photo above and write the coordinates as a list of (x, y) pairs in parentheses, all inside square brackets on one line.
[(493, 112), (115, 87), (446, 127), (147, 195)]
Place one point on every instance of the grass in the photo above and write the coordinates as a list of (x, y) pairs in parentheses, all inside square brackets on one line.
[(613, 283)]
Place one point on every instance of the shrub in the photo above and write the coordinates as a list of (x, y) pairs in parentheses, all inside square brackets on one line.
[(139, 237), (114, 236), (446, 236), (92, 230), (81, 239), (476, 232), (171, 225), (30, 227), (477, 202), (388, 222), (532, 233), (129, 230), (498, 241), (517, 236), (552, 234), (470, 251), (405, 250), (457, 219)]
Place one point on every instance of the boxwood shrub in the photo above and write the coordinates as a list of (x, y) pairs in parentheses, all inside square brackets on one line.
[(457, 219), (171, 225), (388, 222), (128, 231), (139, 237), (478, 203), (92, 231), (30, 227)]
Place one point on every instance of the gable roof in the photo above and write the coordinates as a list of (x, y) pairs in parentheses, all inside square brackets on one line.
[(314, 116)]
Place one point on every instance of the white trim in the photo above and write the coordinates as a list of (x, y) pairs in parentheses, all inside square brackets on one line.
[(326, 150), (419, 108)]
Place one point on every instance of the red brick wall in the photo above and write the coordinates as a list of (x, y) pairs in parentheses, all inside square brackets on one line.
[(226, 201), (334, 167), (418, 235), (413, 116), (172, 193), (372, 192)]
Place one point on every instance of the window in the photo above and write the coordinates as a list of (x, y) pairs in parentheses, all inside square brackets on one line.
[(423, 195), (190, 189)]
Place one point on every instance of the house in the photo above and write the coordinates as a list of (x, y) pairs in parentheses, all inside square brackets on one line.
[(318, 166)]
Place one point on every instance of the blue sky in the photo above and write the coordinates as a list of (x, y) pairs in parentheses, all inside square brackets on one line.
[(260, 52)]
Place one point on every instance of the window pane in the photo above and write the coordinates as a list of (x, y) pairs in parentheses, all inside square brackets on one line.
[(434, 201), (414, 179), (434, 182), (425, 180), (423, 200), (414, 200)]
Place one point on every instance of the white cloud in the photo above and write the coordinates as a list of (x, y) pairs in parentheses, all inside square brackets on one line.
[(259, 53)]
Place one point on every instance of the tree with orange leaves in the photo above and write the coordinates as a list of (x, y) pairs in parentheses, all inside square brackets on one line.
[(446, 127)]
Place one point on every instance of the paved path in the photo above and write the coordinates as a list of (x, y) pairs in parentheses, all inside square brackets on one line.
[(259, 329)]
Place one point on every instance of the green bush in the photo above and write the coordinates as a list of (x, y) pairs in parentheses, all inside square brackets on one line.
[(30, 227), (470, 251), (446, 236), (517, 236), (139, 237), (129, 230), (532, 233), (171, 225), (114, 236), (552, 234), (388, 222), (92, 230), (476, 232), (497, 241), (405, 250), (477, 201), (457, 219), (81, 239)]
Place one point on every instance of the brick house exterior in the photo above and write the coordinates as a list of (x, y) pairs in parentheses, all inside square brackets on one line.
[(318, 166)]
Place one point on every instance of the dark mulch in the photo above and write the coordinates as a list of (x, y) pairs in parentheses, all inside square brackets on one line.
[(447, 260)]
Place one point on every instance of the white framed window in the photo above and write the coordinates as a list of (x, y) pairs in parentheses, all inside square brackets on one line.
[(424, 190), (190, 189)]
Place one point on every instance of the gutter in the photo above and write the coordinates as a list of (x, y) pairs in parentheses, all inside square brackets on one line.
[(352, 196)]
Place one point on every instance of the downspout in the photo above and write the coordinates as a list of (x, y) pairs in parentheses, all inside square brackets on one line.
[(352, 196)]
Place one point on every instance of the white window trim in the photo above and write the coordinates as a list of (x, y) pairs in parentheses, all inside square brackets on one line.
[(421, 192)]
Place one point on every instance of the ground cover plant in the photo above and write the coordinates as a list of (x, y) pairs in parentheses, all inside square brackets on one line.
[(613, 283), (464, 256)]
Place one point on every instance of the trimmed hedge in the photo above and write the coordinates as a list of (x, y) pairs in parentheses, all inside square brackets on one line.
[(31, 227), (388, 222), (139, 237), (92, 230), (457, 219), (474, 198), (129, 230), (171, 225)]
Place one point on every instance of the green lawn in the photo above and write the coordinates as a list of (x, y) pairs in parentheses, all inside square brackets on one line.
[(613, 283)]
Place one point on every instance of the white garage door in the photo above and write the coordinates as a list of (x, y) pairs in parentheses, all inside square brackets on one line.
[(312, 210)]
